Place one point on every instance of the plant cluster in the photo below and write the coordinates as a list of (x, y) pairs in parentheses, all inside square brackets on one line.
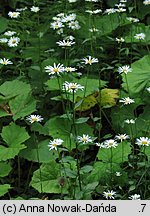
[(74, 99)]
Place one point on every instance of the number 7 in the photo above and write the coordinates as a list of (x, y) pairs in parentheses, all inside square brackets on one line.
[(143, 207)]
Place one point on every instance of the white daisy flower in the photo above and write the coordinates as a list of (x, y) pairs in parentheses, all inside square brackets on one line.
[(56, 25), (74, 25), (126, 101), (13, 41), (89, 60), (118, 174), (120, 5), (92, 0), (130, 121), (34, 118), (14, 14), (5, 61), (123, 1), (56, 69), (109, 194), (70, 69), (100, 145), (55, 143), (143, 141), (65, 43), (110, 11), (110, 143), (3, 40), (72, 1), (121, 137), (9, 33), (148, 89), (84, 139), (121, 10), (120, 40), (69, 18), (125, 69), (140, 36), (94, 12), (72, 87), (35, 9), (132, 19), (135, 197), (146, 2)]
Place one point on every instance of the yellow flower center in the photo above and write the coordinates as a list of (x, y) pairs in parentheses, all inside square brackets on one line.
[(54, 145), (144, 142), (89, 61), (34, 119), (14, 41), (55, 70)]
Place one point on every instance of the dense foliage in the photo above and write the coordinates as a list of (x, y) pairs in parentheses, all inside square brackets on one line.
[(74, 99)]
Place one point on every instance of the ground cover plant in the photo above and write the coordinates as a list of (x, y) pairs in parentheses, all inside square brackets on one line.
[(74, 99)]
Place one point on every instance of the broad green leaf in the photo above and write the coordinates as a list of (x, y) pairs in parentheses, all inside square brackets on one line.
[(92, 85), (101, 172), (37, 127), (139, 78), (3, 24), (37, 152), (14, 88), (139, 28), (14, 135), (46, 179), (62, 128), (10, 152), (115, 155), (5, 169), (4, 189), (22, 105), (52, 84)]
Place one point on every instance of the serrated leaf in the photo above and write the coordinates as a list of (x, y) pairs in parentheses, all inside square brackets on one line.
[(62, 128), (46, 179), (140, 76), (10, 152), (4, 189), (5, 169), (3, 24), (37, 152), (14, 135), (115, 155)]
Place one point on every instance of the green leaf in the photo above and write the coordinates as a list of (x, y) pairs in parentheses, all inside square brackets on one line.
[(119, 154), (3, 24), (140, 76), (82, 120), (14, 135), (62, 128), (21, 103), (101, 172), (52, 84), (46, 179), (14, 88), (4, 189), (37, 152), (136, 29), (5, 169), (11, 152)]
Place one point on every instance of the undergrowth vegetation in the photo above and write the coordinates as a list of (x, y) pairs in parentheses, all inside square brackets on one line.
[(75, 99)]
